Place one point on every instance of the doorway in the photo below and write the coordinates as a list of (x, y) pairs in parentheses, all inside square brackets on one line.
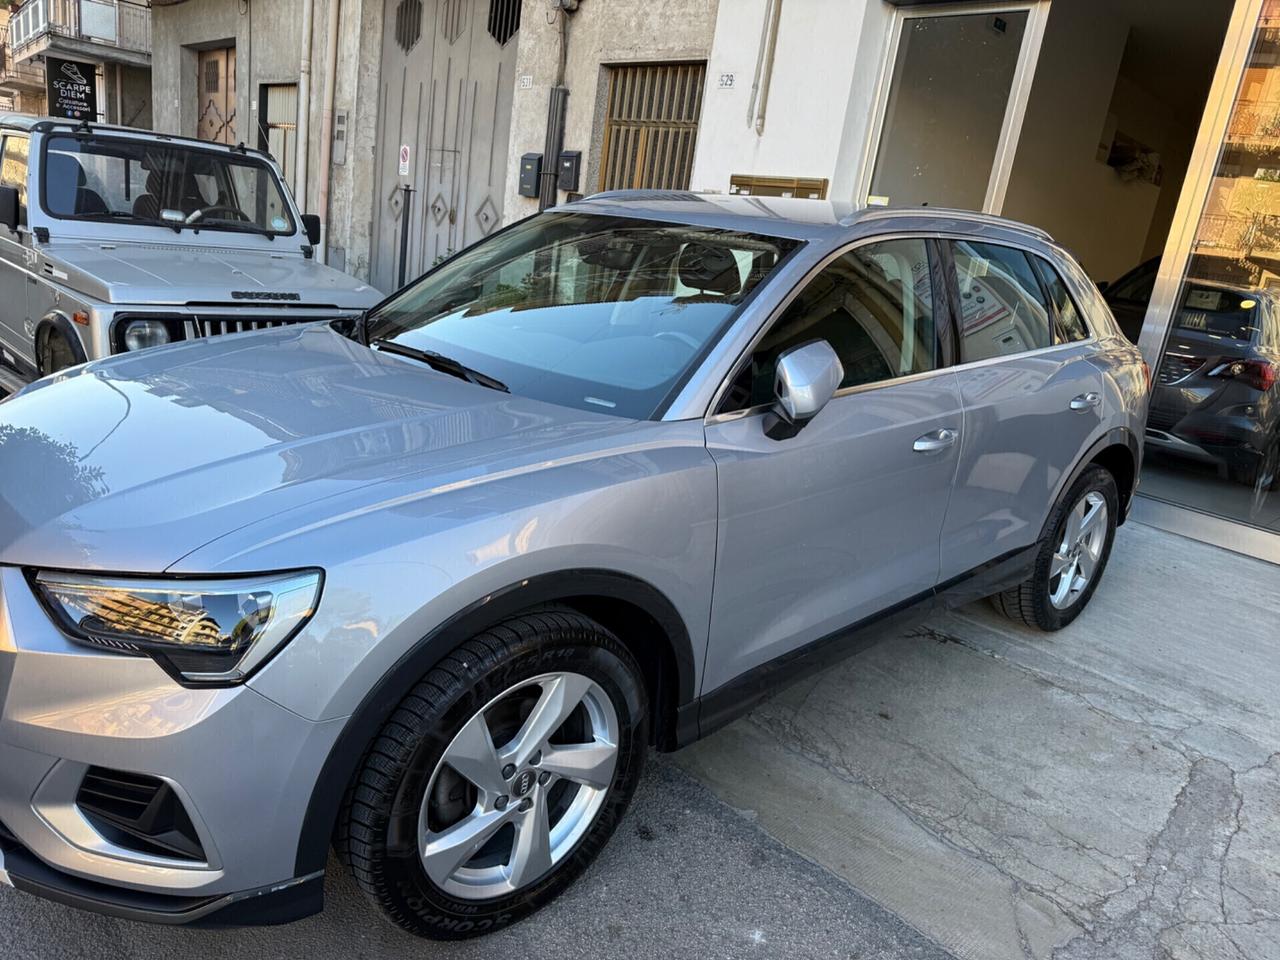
[(448, 78), (954, 74), (216, 93)]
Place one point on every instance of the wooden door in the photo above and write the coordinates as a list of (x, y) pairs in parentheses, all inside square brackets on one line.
[(216, 89)]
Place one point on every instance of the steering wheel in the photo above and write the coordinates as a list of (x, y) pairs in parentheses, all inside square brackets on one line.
[(678, 335), (235, 212)]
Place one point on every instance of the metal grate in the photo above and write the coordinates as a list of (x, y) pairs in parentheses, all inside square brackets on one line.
[(651, 126), (408, 24), (504, 20), (1177, 367), (216, 326)]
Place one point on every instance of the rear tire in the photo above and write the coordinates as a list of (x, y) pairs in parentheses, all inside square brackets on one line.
[(476, 804), (1072, 556)]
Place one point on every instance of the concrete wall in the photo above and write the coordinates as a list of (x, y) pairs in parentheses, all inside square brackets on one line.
[(267, 35), (602, 32)]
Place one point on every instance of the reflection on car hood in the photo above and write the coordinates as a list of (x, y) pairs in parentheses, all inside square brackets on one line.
[(181, 273), (131, 463)]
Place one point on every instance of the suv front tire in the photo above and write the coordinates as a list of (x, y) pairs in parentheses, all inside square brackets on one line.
[(499, 778)]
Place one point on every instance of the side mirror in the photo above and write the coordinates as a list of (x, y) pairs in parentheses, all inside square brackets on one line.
[(805, 378), (311, 224), (9, 208)]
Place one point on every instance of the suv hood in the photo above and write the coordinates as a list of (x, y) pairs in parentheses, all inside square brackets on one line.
[(129, 464), (179, 274)]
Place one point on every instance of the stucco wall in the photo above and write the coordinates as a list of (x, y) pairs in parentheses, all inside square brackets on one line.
[(817, 115), (602, 32), (268, 38)]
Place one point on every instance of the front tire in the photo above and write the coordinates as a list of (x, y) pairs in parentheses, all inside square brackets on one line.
[(1072, 556), (53, 352), (499, 777)]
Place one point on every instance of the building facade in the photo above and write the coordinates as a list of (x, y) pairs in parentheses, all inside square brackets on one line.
[(1145, 137), (106, 41)]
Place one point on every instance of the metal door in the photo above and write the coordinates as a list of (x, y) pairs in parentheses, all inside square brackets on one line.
[(447, 85), (216, 89)]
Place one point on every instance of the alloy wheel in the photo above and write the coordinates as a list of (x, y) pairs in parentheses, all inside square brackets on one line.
[(518, 786), (1076, 559)]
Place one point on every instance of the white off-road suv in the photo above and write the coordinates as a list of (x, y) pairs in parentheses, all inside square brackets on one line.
[(114, 239)]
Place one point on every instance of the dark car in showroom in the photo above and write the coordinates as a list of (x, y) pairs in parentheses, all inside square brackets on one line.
[(1216, 394)]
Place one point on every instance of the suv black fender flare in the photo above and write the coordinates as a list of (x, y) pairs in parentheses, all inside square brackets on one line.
[(381, 700), (1115, 437), (57, 320)]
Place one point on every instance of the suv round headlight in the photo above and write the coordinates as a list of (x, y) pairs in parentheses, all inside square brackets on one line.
[(140, 334)]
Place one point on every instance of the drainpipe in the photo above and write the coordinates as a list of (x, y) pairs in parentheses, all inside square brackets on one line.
[(557, 107), (326, 126), (766, 74), (304, 105)]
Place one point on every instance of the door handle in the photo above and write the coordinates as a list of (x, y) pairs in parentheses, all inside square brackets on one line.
[(933, 442), (1086, 401)]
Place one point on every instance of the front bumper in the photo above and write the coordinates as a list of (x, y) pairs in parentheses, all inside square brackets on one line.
[(243, 767)]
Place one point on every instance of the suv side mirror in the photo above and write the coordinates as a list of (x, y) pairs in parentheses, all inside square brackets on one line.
[(10, 208), (805, 378), (311, 224)]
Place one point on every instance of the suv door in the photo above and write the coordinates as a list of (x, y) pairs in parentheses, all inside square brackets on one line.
[(842, 520), (14, 253), (1032, 399)]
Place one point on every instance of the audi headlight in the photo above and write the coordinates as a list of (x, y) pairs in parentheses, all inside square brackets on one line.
[(140, 334), (200, 631)]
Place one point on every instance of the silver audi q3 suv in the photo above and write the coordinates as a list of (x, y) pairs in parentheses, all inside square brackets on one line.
[(427, 585)]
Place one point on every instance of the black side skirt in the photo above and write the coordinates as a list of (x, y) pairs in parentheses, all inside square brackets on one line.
[(731, 700)]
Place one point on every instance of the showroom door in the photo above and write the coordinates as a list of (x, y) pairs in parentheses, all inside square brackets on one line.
[(953, 91), (447, 85)]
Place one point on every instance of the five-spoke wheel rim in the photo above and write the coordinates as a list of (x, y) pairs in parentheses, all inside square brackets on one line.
[(496, 817), (1076, 560)]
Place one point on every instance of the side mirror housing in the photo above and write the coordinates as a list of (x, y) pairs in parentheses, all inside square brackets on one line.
[(311, 224), (805, 379), (10, 208)]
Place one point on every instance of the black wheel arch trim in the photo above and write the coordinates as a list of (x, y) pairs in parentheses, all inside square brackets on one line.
[(1115, 437), (381, 700), (62, 323)]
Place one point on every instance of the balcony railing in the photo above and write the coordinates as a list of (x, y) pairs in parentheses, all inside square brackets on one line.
[(1255, 120), (19, 73), (114, 23)]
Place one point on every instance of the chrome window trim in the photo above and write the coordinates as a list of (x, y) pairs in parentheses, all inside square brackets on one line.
[(710, 416)]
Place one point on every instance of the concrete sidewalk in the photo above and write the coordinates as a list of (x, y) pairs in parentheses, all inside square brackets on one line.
[(1110, 791)]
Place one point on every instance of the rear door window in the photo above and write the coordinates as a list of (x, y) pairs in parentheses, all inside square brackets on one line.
[(1068, 323), (1003, 309)]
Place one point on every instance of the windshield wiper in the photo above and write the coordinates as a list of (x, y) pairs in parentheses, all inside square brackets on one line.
[(439, 362)]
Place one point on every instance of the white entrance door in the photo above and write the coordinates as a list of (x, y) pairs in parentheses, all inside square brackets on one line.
[(953, 92)]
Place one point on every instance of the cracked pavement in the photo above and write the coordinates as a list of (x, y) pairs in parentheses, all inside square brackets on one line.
[(1110, 791)]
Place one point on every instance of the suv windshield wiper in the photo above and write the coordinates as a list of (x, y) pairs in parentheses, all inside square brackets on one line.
[(441, 363)]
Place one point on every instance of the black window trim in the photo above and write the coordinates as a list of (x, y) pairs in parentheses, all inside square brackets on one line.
[(945, 349), (5, 136)]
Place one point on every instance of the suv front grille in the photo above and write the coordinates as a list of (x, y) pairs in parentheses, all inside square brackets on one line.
[(140, 813), (216, 326), (1177, 367)]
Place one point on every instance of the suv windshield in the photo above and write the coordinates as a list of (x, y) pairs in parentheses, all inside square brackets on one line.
[(594, 312), (128, 180)]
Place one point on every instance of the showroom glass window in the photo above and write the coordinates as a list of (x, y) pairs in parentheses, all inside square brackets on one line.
[(1213, 432)]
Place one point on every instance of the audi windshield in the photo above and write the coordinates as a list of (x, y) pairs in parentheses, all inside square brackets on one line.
[(595, 312), (125, 180)]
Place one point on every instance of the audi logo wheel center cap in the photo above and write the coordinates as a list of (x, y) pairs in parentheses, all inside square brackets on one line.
[(522, 784)]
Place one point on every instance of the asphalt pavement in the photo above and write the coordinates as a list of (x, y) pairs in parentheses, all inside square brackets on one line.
[(686, 876)]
